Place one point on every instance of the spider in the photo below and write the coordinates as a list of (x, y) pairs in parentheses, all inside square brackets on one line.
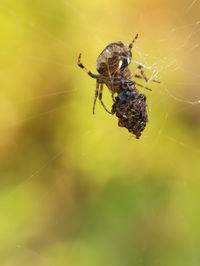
[(113, 65)]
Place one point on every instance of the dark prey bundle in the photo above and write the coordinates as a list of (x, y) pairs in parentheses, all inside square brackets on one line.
[(113, 67)]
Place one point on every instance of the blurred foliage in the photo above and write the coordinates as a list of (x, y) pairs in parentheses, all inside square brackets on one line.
[(75, 188)]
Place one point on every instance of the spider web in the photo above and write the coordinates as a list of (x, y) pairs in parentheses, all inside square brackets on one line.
[(171, 69)]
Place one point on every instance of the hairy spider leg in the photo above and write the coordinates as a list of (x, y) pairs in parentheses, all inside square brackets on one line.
[(131, 44), (100, 98), (95, 76), (95, 97), (140, 68), (97, 91), (113, 98), (142, 86)]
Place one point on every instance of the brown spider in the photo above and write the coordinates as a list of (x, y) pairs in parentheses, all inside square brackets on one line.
[(113, 66)]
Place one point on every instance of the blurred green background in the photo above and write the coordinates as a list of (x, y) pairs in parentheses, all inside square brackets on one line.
[(75, 189)]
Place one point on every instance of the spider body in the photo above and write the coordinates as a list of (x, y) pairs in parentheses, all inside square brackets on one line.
[(113, 63), (113, 68), (114, 58)]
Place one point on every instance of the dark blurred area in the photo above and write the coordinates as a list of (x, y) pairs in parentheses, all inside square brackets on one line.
[(76, 189)]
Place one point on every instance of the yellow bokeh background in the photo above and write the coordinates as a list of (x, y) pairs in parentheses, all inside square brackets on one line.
[(76, 189)]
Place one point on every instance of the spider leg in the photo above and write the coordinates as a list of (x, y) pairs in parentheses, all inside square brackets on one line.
[(142, 86), (95, 97), (140, 77), (131, 44), (154, 80), (95, 76), (100, 98), (113, 98), (140, 68)]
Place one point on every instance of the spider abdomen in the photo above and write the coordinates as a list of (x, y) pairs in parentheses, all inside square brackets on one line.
[(112, 58)]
